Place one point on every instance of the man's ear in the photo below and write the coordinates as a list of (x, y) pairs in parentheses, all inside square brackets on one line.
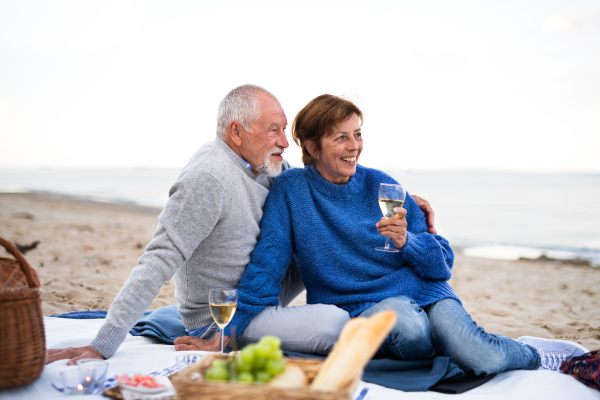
[(235, 132)]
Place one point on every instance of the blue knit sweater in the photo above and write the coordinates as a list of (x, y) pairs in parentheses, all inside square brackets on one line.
[(330, 230)]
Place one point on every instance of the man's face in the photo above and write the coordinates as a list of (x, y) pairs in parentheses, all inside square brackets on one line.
[(264, 145)]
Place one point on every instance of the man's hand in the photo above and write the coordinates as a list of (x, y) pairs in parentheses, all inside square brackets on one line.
[(428, 211), (74, 353), (195, 343)]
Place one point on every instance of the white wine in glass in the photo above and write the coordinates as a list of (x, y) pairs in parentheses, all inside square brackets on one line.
[(223, 303), (391, 195)]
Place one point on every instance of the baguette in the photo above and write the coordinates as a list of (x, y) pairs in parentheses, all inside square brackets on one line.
[(359, 341)]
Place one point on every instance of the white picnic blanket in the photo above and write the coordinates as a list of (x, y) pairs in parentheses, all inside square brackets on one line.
[(145, 355)]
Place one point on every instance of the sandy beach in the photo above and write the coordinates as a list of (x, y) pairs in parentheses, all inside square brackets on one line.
[(86, 251)]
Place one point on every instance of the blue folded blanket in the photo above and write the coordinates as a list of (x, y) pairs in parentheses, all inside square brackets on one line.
[(163, 323), (408, 375)]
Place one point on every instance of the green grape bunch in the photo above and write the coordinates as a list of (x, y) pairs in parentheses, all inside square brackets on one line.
[(256, 363)]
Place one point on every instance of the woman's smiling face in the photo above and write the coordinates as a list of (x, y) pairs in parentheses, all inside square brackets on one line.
[(340, 151)]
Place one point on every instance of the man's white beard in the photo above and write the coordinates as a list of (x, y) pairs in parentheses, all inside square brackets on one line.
[(268, 167)]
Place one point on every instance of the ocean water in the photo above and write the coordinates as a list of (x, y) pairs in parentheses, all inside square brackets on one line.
[(512, 215), (496, 215)]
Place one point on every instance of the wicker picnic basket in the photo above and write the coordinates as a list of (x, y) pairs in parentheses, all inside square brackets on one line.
[(22, 338), (194, 390)]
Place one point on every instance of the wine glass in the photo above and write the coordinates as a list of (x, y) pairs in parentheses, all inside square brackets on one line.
[(223, 303), (391, 195)]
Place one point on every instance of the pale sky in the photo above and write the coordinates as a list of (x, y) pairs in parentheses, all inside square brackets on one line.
[(484, 85)]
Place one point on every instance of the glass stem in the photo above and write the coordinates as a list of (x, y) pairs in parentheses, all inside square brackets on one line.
[(221, 333), (387, 242)]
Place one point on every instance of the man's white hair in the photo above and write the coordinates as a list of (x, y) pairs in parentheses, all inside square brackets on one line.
[(241, 105)]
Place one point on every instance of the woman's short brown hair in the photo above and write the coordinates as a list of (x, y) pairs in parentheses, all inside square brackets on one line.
[(318, 119)]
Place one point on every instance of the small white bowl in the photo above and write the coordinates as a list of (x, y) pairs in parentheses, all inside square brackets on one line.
[(161, 380)]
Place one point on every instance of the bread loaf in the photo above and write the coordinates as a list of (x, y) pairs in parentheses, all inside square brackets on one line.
[(359, 341)]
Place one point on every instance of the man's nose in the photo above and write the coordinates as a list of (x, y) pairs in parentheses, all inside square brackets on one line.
[(282, 140)]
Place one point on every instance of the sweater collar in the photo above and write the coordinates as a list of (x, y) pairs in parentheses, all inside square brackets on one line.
[(331, 189)]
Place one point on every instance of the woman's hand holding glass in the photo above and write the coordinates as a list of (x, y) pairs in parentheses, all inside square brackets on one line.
[(394, 228), (393, 224)]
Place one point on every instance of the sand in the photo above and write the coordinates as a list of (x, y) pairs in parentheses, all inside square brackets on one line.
[(87, 250)]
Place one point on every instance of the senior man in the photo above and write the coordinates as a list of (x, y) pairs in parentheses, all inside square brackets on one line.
[(206, 234)]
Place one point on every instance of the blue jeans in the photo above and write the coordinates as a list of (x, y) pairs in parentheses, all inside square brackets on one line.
[(445, 328)]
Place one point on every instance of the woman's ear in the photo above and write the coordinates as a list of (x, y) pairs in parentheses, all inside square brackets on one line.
[(311, 147)]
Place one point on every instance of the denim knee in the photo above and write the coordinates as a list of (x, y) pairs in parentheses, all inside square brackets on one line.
[(412, 326), (410, 337)]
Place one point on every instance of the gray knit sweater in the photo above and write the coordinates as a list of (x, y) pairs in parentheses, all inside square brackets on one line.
[(205, 236)]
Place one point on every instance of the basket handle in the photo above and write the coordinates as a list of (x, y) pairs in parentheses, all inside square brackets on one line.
[(25, 267)]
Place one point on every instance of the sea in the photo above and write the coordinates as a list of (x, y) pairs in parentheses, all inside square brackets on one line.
[(496, 215)]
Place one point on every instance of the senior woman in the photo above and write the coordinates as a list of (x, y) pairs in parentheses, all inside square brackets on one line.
[(327, 217)]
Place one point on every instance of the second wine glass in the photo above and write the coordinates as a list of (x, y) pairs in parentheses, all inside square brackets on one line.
[(223, 303), (391, 195)]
